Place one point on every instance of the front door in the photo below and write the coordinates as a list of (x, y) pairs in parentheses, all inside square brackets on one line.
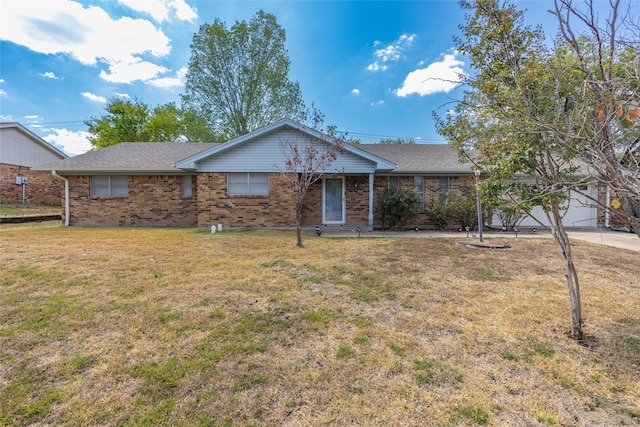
[(333, 201)]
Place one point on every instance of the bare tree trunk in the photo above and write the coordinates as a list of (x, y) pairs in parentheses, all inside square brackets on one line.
[(299, 222), (573, 284)]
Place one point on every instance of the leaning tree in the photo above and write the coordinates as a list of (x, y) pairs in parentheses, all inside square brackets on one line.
[(504, 122)]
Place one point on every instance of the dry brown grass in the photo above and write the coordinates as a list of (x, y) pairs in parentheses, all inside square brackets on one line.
[(181, 327), (18, 209)]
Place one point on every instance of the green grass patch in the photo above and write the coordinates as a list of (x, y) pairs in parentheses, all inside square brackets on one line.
[(249, 382), (481, 274), (539, 349), (160, 379), (365, 287), (344, 352), (436, 373), (27, 397), (396, 349), (473, 413)]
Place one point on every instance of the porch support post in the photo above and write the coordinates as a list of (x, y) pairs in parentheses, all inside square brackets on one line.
[(370, 219)]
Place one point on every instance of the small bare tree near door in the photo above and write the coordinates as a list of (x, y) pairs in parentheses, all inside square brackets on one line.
[(307, 159)]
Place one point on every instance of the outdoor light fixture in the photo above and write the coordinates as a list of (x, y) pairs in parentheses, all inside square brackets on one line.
[(477, 173)]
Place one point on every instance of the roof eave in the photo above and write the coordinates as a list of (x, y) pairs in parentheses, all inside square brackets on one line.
[(114, 171)]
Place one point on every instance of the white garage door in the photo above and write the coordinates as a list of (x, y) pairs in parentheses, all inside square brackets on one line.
[(582, 212)]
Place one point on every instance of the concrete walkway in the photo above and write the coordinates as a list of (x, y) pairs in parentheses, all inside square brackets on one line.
[(618, 239)]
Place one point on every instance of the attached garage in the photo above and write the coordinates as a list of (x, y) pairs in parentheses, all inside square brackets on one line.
[(582, 211)]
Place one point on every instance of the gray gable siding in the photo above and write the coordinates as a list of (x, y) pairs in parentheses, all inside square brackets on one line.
[(265, 155), (18, 146)]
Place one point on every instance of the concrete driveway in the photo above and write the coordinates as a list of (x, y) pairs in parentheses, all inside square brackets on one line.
[(618, 239)]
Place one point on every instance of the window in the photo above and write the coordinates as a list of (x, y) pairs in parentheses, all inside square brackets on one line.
[(110, 186), (418, 186), (443, 187), (185, 186), (248, 184), (394, 183)]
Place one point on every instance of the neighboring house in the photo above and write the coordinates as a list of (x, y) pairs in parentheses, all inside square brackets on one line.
[(240, 184), (21, 150)]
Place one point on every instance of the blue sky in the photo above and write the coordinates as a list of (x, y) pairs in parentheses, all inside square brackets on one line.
[(376, 69)]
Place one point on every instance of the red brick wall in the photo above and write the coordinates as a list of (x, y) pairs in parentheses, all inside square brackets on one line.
[(41, 187), (153, 201), (216, 207), (156, 201), (278, 208), (458, 186)]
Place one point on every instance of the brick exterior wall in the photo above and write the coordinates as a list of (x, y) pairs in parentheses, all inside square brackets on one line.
[(153, 201), (277, 209), (41, 187), (459, 186), (215, 206), (156, 201)]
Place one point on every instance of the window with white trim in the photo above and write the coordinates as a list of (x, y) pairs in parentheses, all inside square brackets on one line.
[(186, 186), (109, 186), (248, 184)]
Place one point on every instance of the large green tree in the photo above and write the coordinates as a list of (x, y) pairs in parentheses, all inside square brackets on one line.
[(238, 79), (504, 122), (127, 120)]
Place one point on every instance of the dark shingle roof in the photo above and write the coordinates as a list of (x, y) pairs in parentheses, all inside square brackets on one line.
[(147, 157), (160, 158), (420, 158)]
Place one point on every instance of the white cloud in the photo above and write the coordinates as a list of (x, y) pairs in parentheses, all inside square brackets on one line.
[(390, 53), (375, 104), (88, 34), (184, 12), (160, 9), (71, 142), (131, 69), (50, 75), (169, 82), (122, 95), (3, 92), (375, 66), (443, 76), (32, 117), (93, 97), (356, 91)]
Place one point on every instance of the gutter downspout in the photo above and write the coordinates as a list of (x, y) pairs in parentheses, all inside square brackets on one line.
[(370, 216), (66, 197)]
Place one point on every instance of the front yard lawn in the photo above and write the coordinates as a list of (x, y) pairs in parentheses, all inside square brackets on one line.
[(181, 327)]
